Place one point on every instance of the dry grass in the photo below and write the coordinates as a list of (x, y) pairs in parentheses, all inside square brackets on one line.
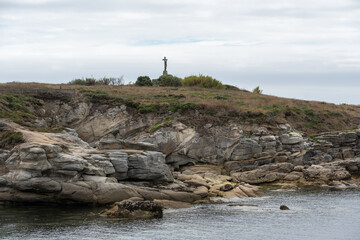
[(309, 116)]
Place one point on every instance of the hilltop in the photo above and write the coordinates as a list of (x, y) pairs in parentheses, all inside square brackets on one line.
[(197, 106)]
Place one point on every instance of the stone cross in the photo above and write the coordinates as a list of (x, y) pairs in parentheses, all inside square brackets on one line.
[(165, 66)]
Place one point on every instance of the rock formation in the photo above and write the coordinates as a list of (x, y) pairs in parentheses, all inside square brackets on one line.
[(116, 157)]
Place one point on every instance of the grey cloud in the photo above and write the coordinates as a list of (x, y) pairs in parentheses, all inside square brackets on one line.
[(279, 43)]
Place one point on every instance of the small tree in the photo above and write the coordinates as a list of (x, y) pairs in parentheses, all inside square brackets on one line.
[(169, 81), (203, 81), (257, 90), (143, 81)]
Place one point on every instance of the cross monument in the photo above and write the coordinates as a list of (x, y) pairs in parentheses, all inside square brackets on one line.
[(165, 66)]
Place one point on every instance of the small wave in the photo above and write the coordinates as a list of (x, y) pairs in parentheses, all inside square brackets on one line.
[(239, 200)]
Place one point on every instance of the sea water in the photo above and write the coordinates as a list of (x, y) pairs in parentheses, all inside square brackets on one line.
[(313, 215)]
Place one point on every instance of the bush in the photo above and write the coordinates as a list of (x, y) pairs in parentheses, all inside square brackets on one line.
[(168, 81), (257, 90), (77, 82), (100, 81), (143, 81), (203, 81)]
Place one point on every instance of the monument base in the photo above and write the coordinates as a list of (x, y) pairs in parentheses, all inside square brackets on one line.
[(165, 73)]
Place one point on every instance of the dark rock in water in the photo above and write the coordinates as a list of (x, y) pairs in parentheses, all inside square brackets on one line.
[(284, 207), (135, 210)]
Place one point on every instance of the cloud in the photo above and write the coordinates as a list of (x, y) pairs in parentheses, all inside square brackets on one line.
[(57, 40)]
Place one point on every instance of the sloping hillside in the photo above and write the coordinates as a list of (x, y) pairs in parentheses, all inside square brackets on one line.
[(18, 102)]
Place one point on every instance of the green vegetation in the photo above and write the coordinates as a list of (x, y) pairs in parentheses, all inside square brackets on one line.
[(240, 106), (143, 81), (17, 108), (115, 132), (210, 112), (203, 81), (308, 112), (231, 87), (181, 107), (275, 109), (160, 124), (100, 81), (168, 81), (148, 108), (9, 138), (95, 95), (257, 90), (336, 114), (207, 95), (169, 97), (314, 139)]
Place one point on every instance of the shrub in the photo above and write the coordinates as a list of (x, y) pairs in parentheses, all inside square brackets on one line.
[(181, 107), (77, 82), (257, 90), (168, 81), (110, 81), (100, 81), (143, 81), (203, 81)]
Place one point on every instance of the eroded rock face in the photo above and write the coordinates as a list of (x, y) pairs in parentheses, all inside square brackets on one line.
[(61, 167), (246, 149)]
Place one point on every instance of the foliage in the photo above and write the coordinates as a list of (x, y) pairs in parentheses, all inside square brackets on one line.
[(148, 108), (160, 124), (203, 81), (10, 138), (95, 95), (168, 81), (181, 107), (16, 108), (257, 90), (143, 81), (100, 81)]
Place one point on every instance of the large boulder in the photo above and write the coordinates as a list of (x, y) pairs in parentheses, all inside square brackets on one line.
[(149, 166)]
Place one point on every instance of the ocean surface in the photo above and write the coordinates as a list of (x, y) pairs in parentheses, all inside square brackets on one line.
[(313, 215)]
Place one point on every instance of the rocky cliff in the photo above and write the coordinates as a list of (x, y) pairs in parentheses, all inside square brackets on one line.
[(110, 153)]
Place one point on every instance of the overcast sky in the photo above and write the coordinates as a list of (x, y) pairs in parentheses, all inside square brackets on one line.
[(301, 49)]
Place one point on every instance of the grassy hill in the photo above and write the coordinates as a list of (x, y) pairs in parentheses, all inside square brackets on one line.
[(215, 105)]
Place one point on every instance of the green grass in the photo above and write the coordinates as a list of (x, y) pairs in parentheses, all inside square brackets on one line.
[(181, 107), (17, 108), (209, 95), (160, 124), (8, 138)]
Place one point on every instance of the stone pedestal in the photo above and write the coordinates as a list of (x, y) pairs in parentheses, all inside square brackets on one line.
[(165, 72)]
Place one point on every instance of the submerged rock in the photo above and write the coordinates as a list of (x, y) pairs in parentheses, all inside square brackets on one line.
[(284, 207), (134, 210)]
